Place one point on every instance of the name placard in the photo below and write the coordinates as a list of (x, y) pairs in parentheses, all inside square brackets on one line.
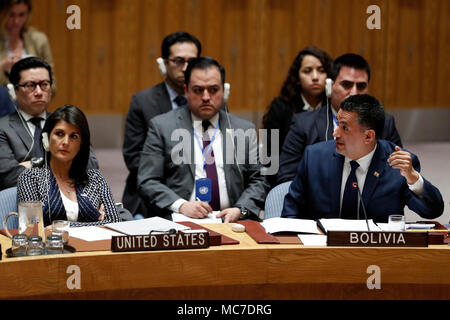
[(195, 239), (377, 239)]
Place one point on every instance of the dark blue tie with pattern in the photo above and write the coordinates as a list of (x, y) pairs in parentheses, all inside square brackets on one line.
[(37, 149), (350, 199)]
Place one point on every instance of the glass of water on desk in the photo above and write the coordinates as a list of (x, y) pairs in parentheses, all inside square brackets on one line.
[(61, 228), (396, 222)]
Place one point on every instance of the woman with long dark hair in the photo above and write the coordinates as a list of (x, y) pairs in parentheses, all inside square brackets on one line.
[(303, 90), (67, 189)]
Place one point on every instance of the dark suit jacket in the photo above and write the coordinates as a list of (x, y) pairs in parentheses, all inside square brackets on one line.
[(315, 191), (6, 104), (162, 181), (279, 117), (310, 127), (144, 105), (15, 143)]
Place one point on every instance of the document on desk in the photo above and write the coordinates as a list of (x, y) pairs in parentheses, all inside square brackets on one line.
[(211, 218), (274, 225), (313, 239), (144, 226), (92, 233), (347, 225)]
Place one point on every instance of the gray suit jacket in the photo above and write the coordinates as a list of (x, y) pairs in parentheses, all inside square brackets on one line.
[(144, 105), (15, 142), (162, 181)]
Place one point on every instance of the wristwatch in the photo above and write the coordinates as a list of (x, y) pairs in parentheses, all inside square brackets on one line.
[(244, 212)]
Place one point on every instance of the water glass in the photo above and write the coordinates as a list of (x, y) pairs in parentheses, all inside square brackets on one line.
[(54, 244), (61, 228), (396, 222), (35, 246), (19, 245)]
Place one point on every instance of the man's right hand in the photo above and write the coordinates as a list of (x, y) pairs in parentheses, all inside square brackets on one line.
[(195, 209)]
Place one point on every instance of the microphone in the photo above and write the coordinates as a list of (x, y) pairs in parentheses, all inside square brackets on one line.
[(355, 185)]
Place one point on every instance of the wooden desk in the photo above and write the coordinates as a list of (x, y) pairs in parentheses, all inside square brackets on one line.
[(244, 271)]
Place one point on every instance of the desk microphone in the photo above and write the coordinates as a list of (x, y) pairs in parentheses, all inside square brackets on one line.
[(355, 185)]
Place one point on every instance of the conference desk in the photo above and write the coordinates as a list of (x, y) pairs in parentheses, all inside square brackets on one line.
[(247, 271)]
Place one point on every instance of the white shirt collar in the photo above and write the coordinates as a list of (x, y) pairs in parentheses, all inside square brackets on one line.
[(364, 162), (307, 106), (197, 122), (27, 116)]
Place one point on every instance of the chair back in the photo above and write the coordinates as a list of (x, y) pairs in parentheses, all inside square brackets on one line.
[(8, 203), (275, 200)]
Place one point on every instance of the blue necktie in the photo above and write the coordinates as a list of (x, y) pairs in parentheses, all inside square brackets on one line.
[(37, 149), (350, 199), (211, 171)]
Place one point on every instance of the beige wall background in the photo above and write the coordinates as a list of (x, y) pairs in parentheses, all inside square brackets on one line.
[(99, 67)]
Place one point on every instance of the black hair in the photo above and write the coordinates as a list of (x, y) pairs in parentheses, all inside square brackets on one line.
[(350, 60), (291, 90), (76, 117), (178, 37), (202, 63), (26, 64), (370, 111)]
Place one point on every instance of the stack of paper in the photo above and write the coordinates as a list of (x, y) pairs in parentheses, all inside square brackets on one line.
[(274, 225), (92, 233), (145, 226), (348, 225), (211, 218)]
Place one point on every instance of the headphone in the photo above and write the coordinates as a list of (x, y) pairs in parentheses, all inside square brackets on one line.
[(328, 90), (45, 142)]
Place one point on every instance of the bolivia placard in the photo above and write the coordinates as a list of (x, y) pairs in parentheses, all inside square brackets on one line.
[(377, 239)]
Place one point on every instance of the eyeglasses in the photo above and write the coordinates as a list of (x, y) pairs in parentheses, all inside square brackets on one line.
[(30, 86), (178, 61)]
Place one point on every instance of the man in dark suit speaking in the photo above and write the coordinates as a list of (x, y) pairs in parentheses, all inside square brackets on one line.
[(330, 173), (176, 50), (202, 145), (350, 75)]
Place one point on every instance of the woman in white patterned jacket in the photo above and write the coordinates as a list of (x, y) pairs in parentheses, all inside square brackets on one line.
[(64, 185)]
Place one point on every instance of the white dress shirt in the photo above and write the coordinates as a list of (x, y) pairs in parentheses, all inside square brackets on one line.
[(70, 206), (200, 172)]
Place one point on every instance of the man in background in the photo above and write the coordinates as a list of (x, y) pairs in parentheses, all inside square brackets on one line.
[(176, 50), (350, 75)]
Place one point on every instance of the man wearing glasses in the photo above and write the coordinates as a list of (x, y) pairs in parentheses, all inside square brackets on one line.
[(176, 51), (350, 75), (20, 132)]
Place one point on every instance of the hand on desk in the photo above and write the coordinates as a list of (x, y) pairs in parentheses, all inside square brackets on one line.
[(195, 209), (230, 215)]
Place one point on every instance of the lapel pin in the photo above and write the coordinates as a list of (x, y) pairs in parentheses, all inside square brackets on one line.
[(376, 174)]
